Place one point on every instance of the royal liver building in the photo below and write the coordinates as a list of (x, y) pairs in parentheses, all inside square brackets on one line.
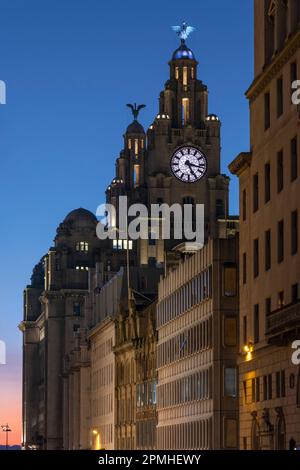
[(131, 344)]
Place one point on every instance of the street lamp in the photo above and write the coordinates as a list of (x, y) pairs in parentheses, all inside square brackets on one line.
[(6, 429)]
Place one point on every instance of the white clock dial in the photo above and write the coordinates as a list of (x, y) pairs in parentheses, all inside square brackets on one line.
[(188, 164)]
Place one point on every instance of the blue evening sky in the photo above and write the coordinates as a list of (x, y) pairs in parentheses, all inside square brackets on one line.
[(70, 67)]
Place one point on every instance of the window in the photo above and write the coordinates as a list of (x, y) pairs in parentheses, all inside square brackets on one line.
[(245, 336), (280, 175), (230, 331), (136, 175), (279, 97), (244, 268), (185, 111), (280, 241), (82, 246), (136, 147), (294, 232), (255, 192), (293, 74), (294, 159), (122, 244), (257, 389), (76, 309), (244, 204), (256, 323), (280, 384), (81, 268), (230, 382), (267, 182), (176, 73), (268, 250), (185, 76), (267, 111), (295, 293), (270, 31), (230, 280), (267, 387), (253, 390), (255, 257)]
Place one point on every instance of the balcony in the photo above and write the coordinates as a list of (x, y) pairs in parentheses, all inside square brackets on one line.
[(283, 325)]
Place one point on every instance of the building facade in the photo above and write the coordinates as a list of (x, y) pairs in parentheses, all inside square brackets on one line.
[(197, 322), (269, 253), (90, 367)]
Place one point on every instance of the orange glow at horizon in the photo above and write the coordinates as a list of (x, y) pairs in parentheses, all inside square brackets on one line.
[(10, 402)]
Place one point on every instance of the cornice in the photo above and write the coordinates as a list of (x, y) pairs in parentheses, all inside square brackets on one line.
[(262, 81), (240, 163)]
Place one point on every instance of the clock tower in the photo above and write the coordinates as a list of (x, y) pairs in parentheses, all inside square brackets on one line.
[(183, 152)]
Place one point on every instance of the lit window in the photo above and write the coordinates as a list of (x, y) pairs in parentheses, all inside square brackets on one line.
[(82, 246), (120, 244), (129, 144), (142, 143), (136, 175), (136, 146), (176, 73), (192, 73), (82, 268), (185, 76), (185, 111), (115, 244)]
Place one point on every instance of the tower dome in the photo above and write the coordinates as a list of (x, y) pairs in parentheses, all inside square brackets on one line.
[(183, 52), (135, 128), (80, 218)]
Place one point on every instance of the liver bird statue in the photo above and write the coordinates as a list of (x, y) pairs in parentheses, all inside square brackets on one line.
[(183, 31), (135, 109)]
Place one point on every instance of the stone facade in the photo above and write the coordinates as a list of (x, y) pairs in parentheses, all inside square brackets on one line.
[(197, 321), (269, 252)]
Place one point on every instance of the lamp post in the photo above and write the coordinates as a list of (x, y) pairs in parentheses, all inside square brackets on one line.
[(6, 429)]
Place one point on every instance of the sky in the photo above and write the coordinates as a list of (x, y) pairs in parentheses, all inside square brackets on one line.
[(70, 67)]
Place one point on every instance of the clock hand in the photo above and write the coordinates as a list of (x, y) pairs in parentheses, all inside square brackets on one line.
[(189, 164)]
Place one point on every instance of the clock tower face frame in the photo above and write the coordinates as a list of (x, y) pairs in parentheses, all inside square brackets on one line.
[(188, 164)]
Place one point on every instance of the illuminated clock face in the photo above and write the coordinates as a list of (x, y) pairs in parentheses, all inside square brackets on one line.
[(188, 164)]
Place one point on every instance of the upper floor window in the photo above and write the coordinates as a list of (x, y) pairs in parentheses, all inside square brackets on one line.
[(279, 97), (270, 31), (244, 204), (122, 244), (256, 257), (267, 182), (185, 76), (230, 280), (185, 111), (82, 246), (294, 159), (267, 111), (255, 192), (280, 174), (280, 241)]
